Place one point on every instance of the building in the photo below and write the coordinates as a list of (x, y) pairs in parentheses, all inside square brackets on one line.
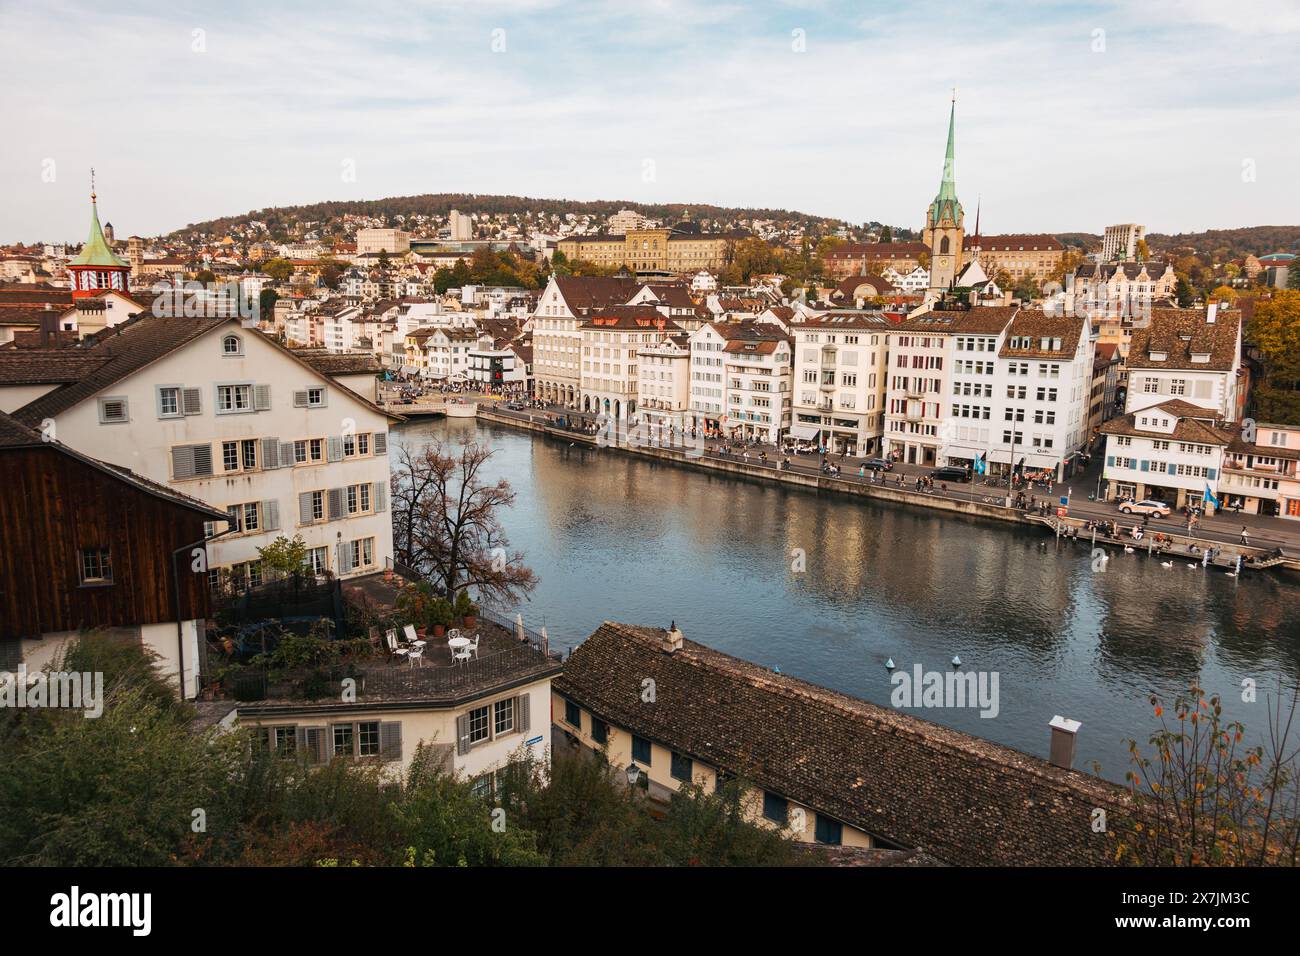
[(101, 548), (945, 221), (557, 342), (1032, 257), (1188, 354), (442, 352), (1263, 476), (839, 381), (1105, 397), (495, 368), (1119, 296), (625, 221), (221, 413), (461, 227), (818, 765), (680, 248), (612, 339), (392, 241), (757, 368), (97, 268), (1120, 243), (859, 258), (474, 717), (664, 385), (1172, 452)]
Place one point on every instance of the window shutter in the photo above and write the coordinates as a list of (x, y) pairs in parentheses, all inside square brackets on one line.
[(390, 740), (300, 399), (1173, 469), (462, 734), (334, 451), (345, 557), (1142, 465), (379, 497), (521, 713), (270, 515), (1110, 461), (261, 398), (304, 508), (286, 454), (1209, 473), (183, 462), (271, 453), (192, 401), (202, 459), (335, 496), (381, 443)]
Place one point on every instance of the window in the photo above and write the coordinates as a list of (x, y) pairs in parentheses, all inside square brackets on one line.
[(599, 731), (368, 738), (572, 714), (641, 750), (828, 831), (96, 566), (169, 402), (231, 345), (479, 726), (776, 809), (363, 552), (234, 398), (343, 740), (114, 410), (504, 719), (681, 767)]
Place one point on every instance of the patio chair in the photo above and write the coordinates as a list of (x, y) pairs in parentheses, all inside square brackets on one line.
[(415, 654), (411, 636), (470, 650)]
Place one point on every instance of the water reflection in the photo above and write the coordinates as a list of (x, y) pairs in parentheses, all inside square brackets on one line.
[(618, 538)]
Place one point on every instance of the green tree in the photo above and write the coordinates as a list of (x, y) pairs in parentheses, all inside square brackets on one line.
[(886, 234), (1274, 328), (278, 269)]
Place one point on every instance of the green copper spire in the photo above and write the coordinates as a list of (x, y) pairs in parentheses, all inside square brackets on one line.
[(945, 205), (97, 251)]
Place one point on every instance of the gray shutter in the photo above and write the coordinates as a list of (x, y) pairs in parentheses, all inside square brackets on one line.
[(287, 459), (270, 515), (336, 506), (304, 508), (300, 399), (345, 557), (261, 398), (270, 453), (192, 401), (462, 734), (312, 744), (521, 713), (390, 740), (324, 744), (381, 443), (202, 459), (379, 497), (334, 449), (183, 462)]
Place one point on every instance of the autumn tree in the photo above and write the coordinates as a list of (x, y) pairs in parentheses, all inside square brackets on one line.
[(446, 522), (1274, 329), (278, 269)]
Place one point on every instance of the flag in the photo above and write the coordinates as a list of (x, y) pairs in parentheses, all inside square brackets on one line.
[(1209, 496)]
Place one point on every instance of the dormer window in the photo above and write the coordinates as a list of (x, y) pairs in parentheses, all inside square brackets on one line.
[(1158, 356), (232, 345), (1201, 357)]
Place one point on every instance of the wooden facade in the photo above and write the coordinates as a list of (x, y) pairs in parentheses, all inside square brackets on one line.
[(53, 506)]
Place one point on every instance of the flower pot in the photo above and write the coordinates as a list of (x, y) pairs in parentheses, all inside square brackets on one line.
[(421, 632), (439, 630), (470, 620)]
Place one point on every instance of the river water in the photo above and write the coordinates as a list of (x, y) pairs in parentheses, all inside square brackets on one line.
[(614, 537)]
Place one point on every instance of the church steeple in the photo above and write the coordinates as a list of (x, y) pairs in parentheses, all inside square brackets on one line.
[(945, 220), (97, 268)]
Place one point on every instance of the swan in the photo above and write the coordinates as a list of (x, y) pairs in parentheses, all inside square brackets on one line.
[(1127, 549), (1166, 564)]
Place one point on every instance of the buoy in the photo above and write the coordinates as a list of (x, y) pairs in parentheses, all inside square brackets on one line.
[(889, 664), (956, 661)]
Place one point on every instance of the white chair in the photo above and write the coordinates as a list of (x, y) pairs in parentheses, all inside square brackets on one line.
[(394, 646), (411, 636), (468, 651), (415, 654)]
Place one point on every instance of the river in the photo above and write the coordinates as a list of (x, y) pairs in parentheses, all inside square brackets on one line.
[(614, 537)]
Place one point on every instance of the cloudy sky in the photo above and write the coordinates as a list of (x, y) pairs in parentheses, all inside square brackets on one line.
[(1070, 115)]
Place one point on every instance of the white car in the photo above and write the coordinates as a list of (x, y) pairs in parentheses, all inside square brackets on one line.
[(1148, 506)]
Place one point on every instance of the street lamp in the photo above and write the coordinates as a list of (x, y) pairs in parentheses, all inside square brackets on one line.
[(633, 774)]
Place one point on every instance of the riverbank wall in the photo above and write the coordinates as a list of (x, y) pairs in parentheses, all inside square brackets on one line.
[(738, 468)]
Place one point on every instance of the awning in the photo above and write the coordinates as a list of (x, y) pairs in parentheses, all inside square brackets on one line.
[(803, 431)]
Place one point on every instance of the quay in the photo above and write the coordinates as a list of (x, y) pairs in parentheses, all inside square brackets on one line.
[(971, 500)]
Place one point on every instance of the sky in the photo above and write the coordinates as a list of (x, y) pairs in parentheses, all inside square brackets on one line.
[(1179, 114)]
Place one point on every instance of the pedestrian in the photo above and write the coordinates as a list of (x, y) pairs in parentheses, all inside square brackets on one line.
[(1245, 535)]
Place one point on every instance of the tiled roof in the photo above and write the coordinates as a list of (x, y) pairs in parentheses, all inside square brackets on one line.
[(1179, 333), (630, 317), (584, 293), (1131, 270), (871, 321), (1017, 242), (850, 285), (1194, 424), (960, 799), (982, 320), (46, 366), (1038, 325), (339, 363), (878, 250)]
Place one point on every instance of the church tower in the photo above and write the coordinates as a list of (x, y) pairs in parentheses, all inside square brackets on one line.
[(944, 221), (97, 269)]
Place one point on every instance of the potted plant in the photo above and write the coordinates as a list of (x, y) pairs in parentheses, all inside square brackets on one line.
[(440, 616), (466, 609)]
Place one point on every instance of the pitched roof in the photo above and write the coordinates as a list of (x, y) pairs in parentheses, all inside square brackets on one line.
[(1017, 242), (584, 293), (915, 784), (1194, 425), (982, 320), (97, 251), (1036, 325), (339, 363), (629, 317), (46, 366), (1180, 333)]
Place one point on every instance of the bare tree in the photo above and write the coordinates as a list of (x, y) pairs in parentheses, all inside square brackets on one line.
[(446, 524)]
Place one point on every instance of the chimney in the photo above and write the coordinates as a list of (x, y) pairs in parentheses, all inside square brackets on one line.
[(1064, 731), (1211, 313), (672, 639)]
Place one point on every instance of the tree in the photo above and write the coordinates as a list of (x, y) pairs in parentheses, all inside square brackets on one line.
[(1207, 800), (284, 557), (1143, 252), (886, 234), (331, 270), (1293, 277), (205, 276), (1184, 295), (1274, 329), (1224, 293), (266, 303), (446, 522), (383, 260), (278, 269), (754, 257), (1026, 289)]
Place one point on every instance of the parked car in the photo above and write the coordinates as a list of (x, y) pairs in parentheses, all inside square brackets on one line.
[(950, 473), (515, 406), (1147, 506), (878, 464)]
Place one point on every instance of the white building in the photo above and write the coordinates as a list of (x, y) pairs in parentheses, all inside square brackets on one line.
[(392, 241), (494, 369), (741, 383), (1189, 354), (1120, 242), (461, 227), (839, 381), (664, 389), (557, 341), (1171, 452), (611, 341), (223, 414)]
